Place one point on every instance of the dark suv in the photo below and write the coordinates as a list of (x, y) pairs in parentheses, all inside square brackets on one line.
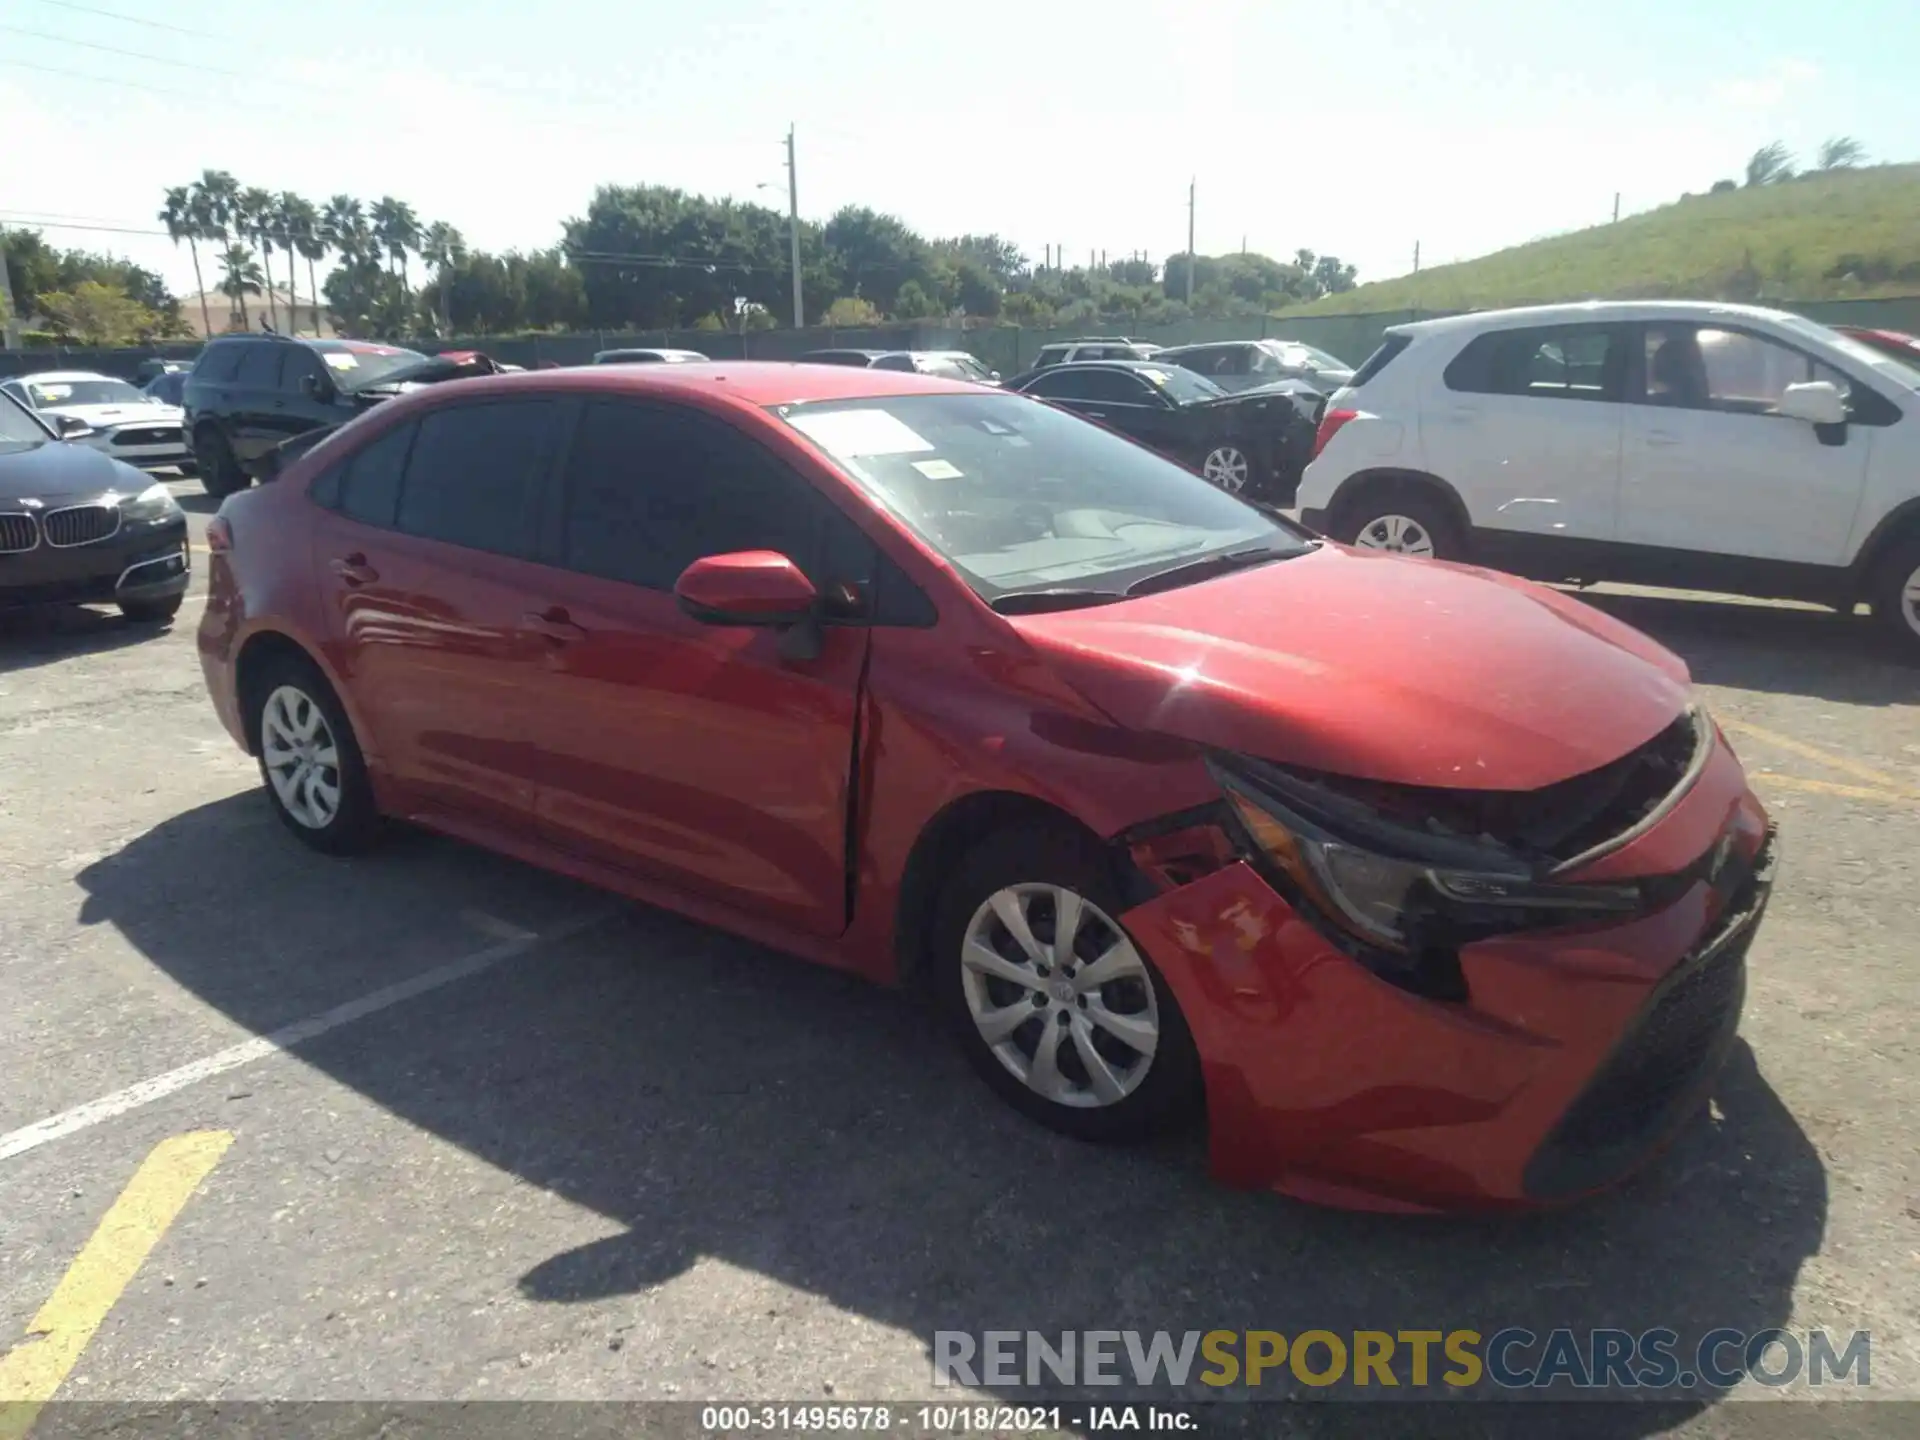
[(248, 393)]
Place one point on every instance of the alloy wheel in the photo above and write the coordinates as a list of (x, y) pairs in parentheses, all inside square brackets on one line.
[(1401, 534), (1060, 995), (1910, 601), (1227, 467), (301, 757)]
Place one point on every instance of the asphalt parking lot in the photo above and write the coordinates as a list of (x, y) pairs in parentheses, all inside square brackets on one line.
[(539, 1143)]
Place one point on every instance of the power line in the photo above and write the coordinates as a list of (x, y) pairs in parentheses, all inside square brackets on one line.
[(14, 218), (96, 79), (116, 50), (131, 19)]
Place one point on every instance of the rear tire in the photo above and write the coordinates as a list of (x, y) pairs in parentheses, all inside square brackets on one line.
[(1402, 520), (310, 762), (220, 473), (1086, 1038), (1896, 595), (151, 612)]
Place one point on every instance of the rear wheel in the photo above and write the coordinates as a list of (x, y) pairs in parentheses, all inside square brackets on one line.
[(1403, 521), (310, 762), (1896, 595), (1053, 1003), (1229, 467), (220, 473)]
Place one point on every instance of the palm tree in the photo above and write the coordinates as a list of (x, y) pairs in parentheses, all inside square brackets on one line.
[(181, 217), (343, 227), (300, 222), (216, 191), (256, 211), (444, 247), (397, 230), (1843, 152), (1770, 164), (242, 278)]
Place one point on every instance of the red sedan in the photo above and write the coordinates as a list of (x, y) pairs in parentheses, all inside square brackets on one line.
[(1431, 886), (1897, 343)]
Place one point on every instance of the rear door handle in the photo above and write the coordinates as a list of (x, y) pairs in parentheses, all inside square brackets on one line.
[(554, 623), (354, 570)]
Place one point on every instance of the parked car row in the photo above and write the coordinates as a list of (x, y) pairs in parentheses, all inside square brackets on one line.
[(1704, 446), (1159, 799)]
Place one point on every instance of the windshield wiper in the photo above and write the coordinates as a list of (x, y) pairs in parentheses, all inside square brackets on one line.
[(1205, 568), (1036, 602)]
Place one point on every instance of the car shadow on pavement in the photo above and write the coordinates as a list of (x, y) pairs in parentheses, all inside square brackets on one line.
[(1783, 649), (49, 634), (715, 1099)]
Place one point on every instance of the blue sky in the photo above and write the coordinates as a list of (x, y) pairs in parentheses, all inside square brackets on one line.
[(1354, 129)]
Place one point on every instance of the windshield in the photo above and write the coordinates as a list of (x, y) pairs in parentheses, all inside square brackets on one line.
[(18, 430), (363, 365), (1021, 496), (1897, 371), (1183, 387), (1304, 357), (49, 393)]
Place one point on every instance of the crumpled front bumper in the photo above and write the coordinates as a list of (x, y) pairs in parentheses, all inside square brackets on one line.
[(1576, 1055)]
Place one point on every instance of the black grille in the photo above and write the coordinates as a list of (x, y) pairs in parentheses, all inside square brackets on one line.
[(81, 524), (1662, 1066), (18, 532), (163, 436)]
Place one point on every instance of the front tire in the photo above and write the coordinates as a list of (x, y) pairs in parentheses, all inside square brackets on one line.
[(310, 762), (1051, 1000), (151, 612), (1402, 522), (1896, 596), (1230, 467)]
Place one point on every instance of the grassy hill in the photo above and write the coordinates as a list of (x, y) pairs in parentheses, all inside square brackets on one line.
[(1838, 235)]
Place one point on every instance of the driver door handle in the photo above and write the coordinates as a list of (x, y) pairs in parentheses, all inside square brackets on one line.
[(554, 623), (354, 569)]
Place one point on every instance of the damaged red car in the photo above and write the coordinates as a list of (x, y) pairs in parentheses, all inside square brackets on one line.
[(1430, 888)]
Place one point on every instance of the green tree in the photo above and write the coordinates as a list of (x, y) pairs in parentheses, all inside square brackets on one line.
[(253, 219), (874, 254), (97, 314), (300, 219), (1770, 164), (443, 247), (241, 277), (851, 311), (179, 214), (396, 229), (1843, 152)]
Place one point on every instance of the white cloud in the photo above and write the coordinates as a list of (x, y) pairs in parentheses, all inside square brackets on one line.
[(1769, 87)]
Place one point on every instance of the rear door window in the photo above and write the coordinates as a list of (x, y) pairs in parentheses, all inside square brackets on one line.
[(1566, 362), (369, 483), (219, 363), (260, 366), (1384, 355), (473, 478)]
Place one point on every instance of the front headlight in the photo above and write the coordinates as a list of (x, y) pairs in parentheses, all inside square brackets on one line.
[(156, 502), (1404, 894)]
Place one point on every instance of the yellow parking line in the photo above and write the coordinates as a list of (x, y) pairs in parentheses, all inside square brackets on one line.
[(1822, 757), (158, 1192), (1827, 787)]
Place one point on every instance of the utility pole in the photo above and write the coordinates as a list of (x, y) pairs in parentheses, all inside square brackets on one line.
[(1192, 187), (1416, 277), (9, 317), (793, 226), (1616, 207)]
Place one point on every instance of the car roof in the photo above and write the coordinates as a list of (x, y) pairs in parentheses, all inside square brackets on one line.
[(753, 384), (1590, 311), (59, 376), (851, 350)]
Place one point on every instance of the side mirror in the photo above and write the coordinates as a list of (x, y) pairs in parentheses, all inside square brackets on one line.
[(71, 427), (1818, 402), (750, 587), (317, 387)]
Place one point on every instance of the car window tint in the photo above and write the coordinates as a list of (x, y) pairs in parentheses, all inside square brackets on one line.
[(1118, 387), (894, 362), (260, 366), (473, 477), (650, 489), (1569, 362), (369, 486), (1064, 385), (219, 362), (299, 364)]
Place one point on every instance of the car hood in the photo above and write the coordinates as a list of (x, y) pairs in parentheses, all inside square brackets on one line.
[(1374, 666), (1298, 396), (101, 417), (58, 469)]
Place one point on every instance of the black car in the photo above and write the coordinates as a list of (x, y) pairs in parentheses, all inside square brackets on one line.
[(78, 527), (1256, 442), (248, 393)]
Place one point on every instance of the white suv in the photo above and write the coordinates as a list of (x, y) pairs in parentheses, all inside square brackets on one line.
[(1703, 446)]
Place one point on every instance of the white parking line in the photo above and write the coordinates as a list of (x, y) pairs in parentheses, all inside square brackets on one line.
[(145, 1092)]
